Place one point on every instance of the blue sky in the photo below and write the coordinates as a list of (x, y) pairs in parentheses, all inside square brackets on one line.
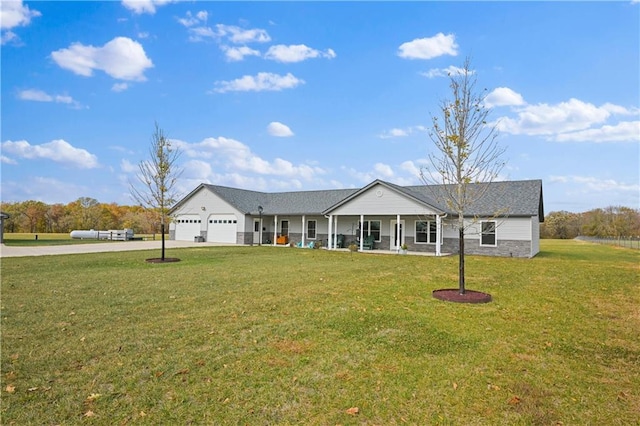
[(282, 96)]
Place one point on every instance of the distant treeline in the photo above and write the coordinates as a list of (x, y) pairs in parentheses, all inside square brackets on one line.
[(84, 213), (88, 213), (610, 222)]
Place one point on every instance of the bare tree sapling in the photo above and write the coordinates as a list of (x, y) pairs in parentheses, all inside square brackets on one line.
[(157, 177), (465, 152)]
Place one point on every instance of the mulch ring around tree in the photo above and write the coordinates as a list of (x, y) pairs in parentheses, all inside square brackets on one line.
[(469, 296), (161, 260)]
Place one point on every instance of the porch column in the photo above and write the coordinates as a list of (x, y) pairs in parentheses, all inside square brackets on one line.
[(398, 225), (438, 233), (362, 232), (303, 221), (275, 230)]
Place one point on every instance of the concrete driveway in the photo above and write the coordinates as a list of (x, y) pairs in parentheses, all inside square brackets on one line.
[(21, 251)]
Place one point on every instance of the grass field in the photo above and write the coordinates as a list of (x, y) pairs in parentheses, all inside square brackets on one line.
[(263, 335), (54, 239)]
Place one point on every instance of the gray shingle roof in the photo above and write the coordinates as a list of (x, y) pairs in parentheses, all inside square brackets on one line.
[(510, 198), (294, 203)]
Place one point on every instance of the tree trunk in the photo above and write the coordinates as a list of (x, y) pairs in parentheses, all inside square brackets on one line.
[(461, 259), (162, 230)]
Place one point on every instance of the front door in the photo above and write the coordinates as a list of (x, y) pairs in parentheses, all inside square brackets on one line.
[(397, 234), (256, 231)]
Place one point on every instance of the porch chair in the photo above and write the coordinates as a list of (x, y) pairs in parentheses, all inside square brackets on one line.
[(369, 242)]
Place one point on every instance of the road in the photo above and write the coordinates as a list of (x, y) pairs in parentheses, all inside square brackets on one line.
[(22, 251)]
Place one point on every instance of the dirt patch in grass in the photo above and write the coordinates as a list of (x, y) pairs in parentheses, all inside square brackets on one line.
[(161, 260), (469, 296)]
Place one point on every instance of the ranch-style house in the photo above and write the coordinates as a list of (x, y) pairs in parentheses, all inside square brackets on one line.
[(381, 215)]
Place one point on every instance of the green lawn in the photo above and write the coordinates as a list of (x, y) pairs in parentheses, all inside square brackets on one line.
[(54, 239), (264, 335)]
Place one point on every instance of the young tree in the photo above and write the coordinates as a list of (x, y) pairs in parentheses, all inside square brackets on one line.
[(157, 178), (466, 151)]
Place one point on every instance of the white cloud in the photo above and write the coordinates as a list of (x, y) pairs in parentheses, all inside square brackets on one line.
[(444, 72), (197, 170), (235, 54), (58, 151), (41, 96), (121, 58), (119, 87), (128, 167), (503, 96), (296, 53), (383, 170), (14, 14), (7, 160), (549, 120), (626, 131), (191, 20), (199, 31), (45, 189), (240, 36), (276, 128), (261, 82), (8, 36), (592, 184), (411, 168), (429, 47), (400, 133), (144, 6), (236, 157), (394, 133)]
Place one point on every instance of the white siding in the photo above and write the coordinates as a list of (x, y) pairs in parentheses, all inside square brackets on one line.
[(203, 204), (535, 232), (380, 200), (511, 228)]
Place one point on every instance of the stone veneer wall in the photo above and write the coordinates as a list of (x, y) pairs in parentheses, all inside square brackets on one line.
[(505, 248)]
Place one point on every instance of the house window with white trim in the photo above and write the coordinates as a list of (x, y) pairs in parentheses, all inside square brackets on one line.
[(370, 227), (426, 231), (311, 229), (488, 234)]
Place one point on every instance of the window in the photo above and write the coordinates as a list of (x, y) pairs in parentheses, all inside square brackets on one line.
[(426, 231), (284, 227), (370, 227), (488, 236), (311, 229), (256, 226)]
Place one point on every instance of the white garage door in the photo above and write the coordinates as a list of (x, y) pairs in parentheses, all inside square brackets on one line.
[(222, 228), (187, 227)]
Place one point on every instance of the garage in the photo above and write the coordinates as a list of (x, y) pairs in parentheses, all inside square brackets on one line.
[(222, 228), (187, 227)]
